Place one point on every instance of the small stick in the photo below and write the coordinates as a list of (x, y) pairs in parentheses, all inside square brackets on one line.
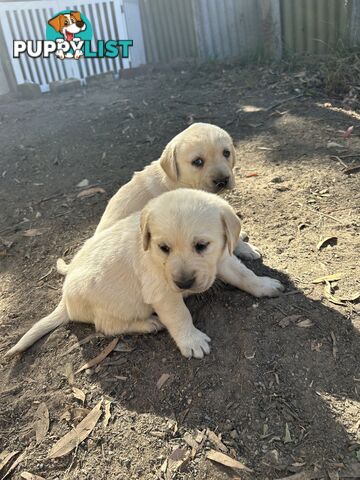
[(339, 160), (322, 213), (283, 101)]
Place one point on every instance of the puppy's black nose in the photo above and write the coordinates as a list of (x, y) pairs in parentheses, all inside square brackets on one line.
[(80, 23), (185, 284), (221, 182)]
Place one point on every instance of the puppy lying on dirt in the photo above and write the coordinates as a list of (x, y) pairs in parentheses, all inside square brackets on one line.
[(201, 157), (146, 263)]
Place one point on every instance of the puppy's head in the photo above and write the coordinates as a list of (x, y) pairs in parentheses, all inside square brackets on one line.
[(202, 157), (68, 24), (185, 233)]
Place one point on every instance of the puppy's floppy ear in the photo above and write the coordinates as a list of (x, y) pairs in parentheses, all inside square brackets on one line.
[(76, 15), (232, 227), (55, 23), (145, 230), (168, 161)]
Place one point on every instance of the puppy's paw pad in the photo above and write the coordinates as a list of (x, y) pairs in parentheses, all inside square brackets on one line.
[(195, 345), (270, 287)]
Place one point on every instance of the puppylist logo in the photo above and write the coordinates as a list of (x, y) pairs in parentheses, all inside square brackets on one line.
[(68, 35)]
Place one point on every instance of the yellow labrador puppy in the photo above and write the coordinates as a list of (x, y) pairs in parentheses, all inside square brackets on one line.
[(201, 157), (146, 263)]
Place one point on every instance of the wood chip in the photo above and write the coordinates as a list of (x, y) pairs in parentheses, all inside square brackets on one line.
[(326, 241), (42, 422), (33, 232), (99, 358), (335, 348), (79, 394), (90, 192), (305, 323), (30, 476), (72, 439), (287, 436), (69, 373), (329, 278), (107, 413), (162, 380), (216, 441), (219, 457)]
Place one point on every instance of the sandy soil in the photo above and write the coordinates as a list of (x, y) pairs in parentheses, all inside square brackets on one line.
[(280, 389)]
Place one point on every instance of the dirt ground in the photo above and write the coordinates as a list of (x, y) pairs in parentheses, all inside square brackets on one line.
[(280, 390)]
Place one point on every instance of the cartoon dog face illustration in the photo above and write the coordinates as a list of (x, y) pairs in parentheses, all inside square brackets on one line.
[(68, 24)]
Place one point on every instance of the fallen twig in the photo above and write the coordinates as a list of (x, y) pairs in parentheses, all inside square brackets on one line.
[(283, 101)]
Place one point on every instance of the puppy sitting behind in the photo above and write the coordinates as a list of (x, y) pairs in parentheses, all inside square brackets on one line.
[(146, 263), (201, 157)]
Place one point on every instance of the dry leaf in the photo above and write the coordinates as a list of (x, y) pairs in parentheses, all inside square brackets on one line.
[(90, 192), (285, 322), (107, 413), (79, 413), (79, 394), (329, 296), (99, 358), (162, 380), (81, 342), (216, 441), (30, 476), (334, 145), (287, 436), (5, 457), (348, 132), (351, 298), (33, 232), (326, 241), (176, 459), (306, 323), (329, 278), (72, 439), (42, 422), (226, 460), (19, 459)]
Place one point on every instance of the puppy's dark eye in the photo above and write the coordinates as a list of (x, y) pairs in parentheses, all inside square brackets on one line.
[(66, 23), (164, 248), (198, 162), (226, 153), (201, 246)]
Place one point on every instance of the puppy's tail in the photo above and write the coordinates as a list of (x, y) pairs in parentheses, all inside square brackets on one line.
[(58, 317), (61, 266)]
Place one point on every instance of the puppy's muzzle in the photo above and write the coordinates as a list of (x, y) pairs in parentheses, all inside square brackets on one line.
[(185, 282), (221, 183)]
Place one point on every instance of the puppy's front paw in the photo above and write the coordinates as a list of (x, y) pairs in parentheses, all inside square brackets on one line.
[(247, 251), (269, 287), (195, 344)]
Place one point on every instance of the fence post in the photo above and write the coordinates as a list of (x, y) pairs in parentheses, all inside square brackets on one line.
[(271, 27), (5, 66), (354, 23)]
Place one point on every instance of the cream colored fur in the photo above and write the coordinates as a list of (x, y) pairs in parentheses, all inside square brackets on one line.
[(122, 276)]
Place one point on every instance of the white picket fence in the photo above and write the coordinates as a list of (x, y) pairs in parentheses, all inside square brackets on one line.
[(27, 20)]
